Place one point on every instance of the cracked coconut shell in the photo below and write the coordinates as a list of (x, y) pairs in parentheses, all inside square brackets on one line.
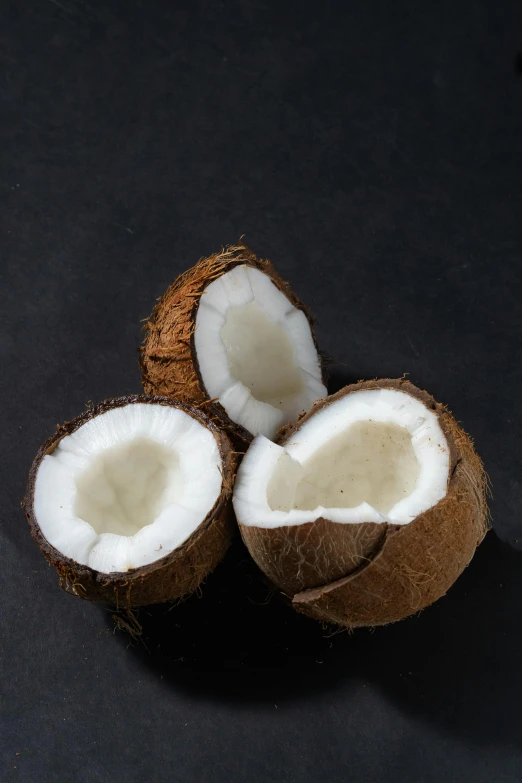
[(371, 574)]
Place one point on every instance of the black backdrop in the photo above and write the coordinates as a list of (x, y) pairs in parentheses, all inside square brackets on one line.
[(373, 152)]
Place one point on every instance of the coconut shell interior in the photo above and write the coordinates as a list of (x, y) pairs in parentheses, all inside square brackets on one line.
[(174, 575), (168, 356), (371, 574)]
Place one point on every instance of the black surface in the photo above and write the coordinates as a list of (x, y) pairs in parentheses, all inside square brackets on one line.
[(374, 152)]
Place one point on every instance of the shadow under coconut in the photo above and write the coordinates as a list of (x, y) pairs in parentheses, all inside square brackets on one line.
[(458, 664), (235, 639)]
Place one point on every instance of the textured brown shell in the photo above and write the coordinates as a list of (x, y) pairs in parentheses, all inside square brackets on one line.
[(168, 357), (176, 574), (375, 573)]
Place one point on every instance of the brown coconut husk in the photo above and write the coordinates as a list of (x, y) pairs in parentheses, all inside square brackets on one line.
[(173, 576), (168, 356), (376, 573)]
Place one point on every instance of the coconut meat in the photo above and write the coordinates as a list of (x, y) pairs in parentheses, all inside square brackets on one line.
[(128, 487), (375, 455), (255, 351)]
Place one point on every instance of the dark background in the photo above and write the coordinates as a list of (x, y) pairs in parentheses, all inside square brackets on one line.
[(373, 151)]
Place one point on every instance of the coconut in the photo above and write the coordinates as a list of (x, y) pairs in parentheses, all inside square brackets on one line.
[(230, 334), (368, 508), (131, 500)]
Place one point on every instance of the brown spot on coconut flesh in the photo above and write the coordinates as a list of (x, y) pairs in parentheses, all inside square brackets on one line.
[(370, 573)]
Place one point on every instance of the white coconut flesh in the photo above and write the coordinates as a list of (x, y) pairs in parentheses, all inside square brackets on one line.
[(128, 487), (372, 456), (255, 351)]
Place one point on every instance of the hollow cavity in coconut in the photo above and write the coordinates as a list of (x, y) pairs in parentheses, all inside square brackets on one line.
[(232, 334), (131, 501), (368, 508)]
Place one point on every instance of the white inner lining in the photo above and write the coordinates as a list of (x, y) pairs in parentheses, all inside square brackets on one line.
[(254, 346), (255, 351), (382, 449), (370, 462), (128, 487)]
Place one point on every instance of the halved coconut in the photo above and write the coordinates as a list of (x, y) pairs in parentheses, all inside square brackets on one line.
[(131, 500), (368, 508), (232, 332)]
